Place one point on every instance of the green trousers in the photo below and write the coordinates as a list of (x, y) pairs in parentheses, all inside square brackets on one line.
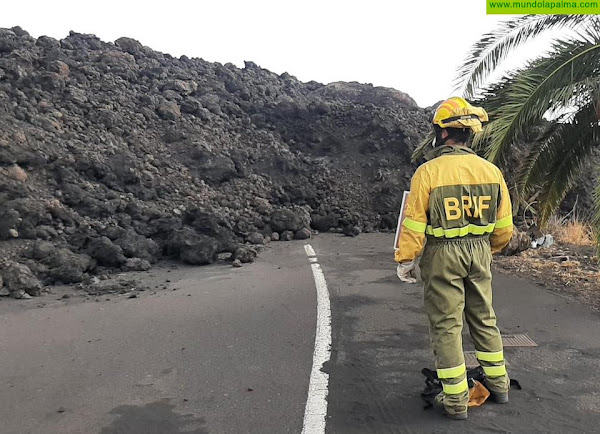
[(457, 279)]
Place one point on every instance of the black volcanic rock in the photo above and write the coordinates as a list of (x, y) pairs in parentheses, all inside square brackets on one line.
[(118, 152)]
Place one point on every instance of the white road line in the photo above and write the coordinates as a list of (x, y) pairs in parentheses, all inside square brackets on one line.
[(309, 250), (315, 411)]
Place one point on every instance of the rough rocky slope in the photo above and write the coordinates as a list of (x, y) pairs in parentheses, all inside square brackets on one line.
[(113, 155)]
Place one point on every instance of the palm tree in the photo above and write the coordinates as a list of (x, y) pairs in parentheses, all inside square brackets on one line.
[(557, 93)]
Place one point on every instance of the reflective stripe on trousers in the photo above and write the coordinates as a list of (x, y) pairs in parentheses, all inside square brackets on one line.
[(454, 380)]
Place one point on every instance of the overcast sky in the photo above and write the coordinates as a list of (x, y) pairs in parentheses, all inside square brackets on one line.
[(414, 46)]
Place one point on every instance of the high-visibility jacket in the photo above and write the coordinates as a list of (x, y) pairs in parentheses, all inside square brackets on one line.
[(456, 194)]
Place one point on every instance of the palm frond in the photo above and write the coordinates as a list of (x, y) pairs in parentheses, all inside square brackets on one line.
[(552, 144), (481, 140), (559, 91), (495, 46), (522, 98), (423, 146), (533, 166), (559, 168), (596, 210)]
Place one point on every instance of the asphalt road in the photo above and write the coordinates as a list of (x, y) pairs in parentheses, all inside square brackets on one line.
[(380, 345), (230, 351)]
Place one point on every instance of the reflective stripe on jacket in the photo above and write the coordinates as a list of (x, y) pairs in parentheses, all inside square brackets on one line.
[(456, 194)]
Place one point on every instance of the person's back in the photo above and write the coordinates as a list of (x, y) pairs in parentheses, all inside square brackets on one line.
[(466, 194)]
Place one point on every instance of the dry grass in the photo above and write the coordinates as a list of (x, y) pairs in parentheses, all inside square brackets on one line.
[(571, 230)]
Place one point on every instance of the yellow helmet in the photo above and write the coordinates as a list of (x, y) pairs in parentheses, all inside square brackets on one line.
[(456, 112)]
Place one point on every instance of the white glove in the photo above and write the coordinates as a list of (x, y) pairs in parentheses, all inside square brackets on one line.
[(406, 272)]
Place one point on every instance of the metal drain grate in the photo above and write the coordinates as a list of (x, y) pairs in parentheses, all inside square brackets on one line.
[(518, 341)]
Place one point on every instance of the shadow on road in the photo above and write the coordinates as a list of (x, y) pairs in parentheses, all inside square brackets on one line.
[(154, 418)]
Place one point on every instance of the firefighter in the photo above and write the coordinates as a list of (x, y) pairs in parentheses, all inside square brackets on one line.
[(459, 204)]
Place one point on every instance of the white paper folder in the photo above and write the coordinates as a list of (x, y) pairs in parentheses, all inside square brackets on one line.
[(401, 219)]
